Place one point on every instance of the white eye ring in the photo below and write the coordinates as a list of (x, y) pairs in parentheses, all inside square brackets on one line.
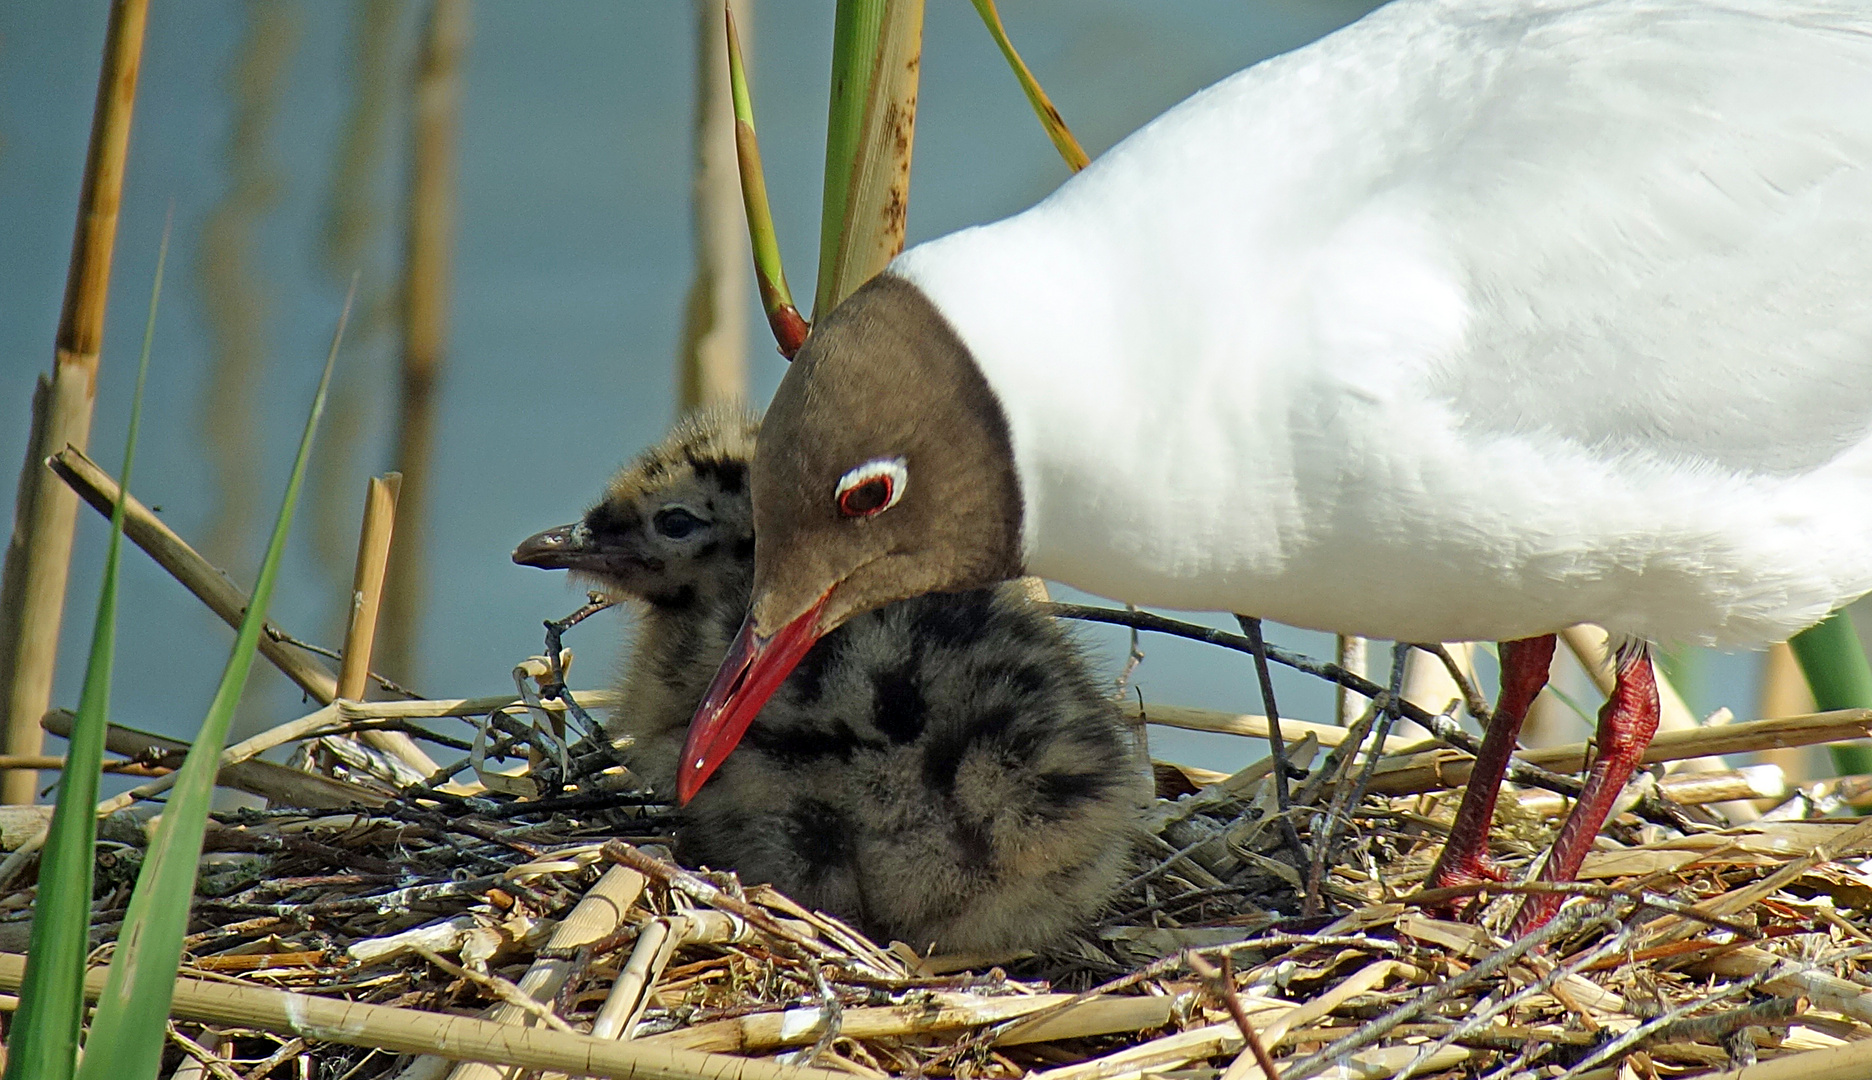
[(891, 471)]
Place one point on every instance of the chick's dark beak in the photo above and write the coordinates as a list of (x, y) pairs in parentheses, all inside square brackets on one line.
[(563, 547), (754, 668)]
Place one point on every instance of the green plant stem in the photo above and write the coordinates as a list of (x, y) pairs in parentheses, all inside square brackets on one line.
[(51, 1013), (1062, 137), (783, 316), (127, 1036), (1834, 661)]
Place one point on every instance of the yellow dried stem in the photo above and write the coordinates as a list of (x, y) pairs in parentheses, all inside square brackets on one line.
[(712, 364), (367, 583), (38, 556)]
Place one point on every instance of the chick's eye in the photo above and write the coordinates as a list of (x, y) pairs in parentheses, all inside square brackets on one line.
[(871, 488), (675, 523)]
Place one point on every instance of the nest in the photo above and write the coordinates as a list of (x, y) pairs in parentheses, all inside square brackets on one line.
[(535, 921)]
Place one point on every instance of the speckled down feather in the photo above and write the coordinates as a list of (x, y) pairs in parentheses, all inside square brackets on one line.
[(944, 771)]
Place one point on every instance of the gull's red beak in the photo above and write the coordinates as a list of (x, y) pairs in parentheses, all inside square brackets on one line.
[(754, 668)]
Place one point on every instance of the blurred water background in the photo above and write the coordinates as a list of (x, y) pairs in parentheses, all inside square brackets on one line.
[(278, 131)]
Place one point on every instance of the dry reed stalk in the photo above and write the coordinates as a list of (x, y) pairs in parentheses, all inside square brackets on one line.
[(1850, 1062), (1592, 647), (1784, 692), (428, 250), (1687, 789), (367, 582), (657, 942), (53, 762), (279, 783), (1427, 683), (1434, 769), (409, 1031), (147, 531), (230, 275), (933, 1013), (315, 723), (712, 364), (1352, 653), (864, 230), (1190, 718), (38, 555), (597, 916)]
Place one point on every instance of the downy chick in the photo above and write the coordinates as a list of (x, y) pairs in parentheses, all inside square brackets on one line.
[(944, 770)]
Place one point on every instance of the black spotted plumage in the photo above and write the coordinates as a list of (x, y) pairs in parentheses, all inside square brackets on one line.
[(944, 770)]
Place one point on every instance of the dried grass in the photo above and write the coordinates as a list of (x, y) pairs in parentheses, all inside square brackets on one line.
[(559, 920)]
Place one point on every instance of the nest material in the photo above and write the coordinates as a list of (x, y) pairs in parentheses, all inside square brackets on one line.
[(551, 907)]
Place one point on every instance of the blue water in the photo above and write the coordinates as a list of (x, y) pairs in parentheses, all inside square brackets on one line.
[(572, 259)]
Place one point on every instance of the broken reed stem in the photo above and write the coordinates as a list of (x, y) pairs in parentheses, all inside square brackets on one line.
[(428, 250), (712, 360), (38, 555), (598, 915), (367, 583), (186, 565)]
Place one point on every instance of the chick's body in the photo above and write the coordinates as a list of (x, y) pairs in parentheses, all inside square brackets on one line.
[(944, 770)]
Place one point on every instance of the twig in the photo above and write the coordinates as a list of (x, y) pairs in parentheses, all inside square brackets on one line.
[(556, 687), (1519, 771), (1277, 746), (1472, 697), (1223, 983), (1345, 799), (1712, 1029), (1133, 657)]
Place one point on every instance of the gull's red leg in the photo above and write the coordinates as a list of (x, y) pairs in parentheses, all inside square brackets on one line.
[(1465, 859), (1627, 722)]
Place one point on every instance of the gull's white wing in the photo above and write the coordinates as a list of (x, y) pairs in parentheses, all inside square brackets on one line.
[(1661, 217)]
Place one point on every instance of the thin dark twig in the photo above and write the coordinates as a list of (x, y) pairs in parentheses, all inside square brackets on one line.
[(1348, 797), (388, 685), (1521, 772), (834, 1015), (1223, 983), (1277, 746), (555, 631), (1711, 1029), (1472, 697)]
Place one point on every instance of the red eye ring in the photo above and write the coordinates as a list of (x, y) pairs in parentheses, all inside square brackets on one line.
[(866, 498), (871, 488)]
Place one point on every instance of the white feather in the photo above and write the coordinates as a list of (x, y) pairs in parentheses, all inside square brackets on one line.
[(1474, 320)]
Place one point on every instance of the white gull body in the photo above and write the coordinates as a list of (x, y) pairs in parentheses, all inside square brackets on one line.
[(1474, 320)]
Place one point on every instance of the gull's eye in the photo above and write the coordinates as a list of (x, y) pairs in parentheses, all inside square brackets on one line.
[(675, 523), (871, 488)]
